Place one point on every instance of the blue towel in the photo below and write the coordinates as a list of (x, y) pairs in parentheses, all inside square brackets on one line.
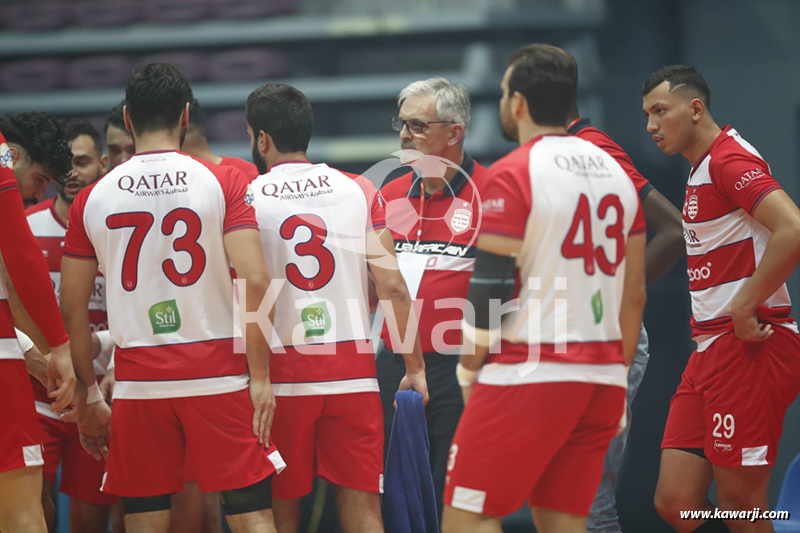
[(409, 503)]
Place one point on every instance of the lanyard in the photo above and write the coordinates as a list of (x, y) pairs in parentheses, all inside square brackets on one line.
[(421, 208)]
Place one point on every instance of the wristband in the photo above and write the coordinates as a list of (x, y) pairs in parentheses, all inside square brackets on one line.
[(465, 376), (25, 342), (93, 394), (106, 342)]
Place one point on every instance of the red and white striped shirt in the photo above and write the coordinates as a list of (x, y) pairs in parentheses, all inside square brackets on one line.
[(724, 243)]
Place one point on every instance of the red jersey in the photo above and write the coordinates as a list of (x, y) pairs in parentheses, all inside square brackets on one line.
[(25, 266), (434, 239), (582, 128), (248, 168)]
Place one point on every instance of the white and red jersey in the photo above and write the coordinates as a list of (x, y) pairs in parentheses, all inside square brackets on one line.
[(50, 233), (574, 207), (155, 224), (724, 243), (314, 221)]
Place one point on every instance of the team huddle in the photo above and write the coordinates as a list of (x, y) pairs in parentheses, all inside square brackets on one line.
[(213, 348)]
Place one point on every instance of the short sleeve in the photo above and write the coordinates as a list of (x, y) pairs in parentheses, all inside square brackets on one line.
[(376, 205), (77, 243), (639, 225), (743, 178), (601, 140), (239, 212), (505, 202)]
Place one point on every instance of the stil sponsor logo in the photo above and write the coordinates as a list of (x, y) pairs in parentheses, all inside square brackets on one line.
[(316, 319), (165, 317), (249, 197), (597, 307)]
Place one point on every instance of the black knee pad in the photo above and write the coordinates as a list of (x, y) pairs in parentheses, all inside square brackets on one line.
[(256, 497), (147, 504)]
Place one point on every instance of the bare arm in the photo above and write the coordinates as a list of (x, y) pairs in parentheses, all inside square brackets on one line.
[(634, 295), (391, 287), (666, 245), (77, 285), (779, 214), (244, 250)]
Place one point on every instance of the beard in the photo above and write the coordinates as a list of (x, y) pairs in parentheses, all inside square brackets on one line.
[(508, 127), (258, 160)]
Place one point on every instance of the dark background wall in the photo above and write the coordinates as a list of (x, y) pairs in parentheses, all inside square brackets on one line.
[(747, 51)]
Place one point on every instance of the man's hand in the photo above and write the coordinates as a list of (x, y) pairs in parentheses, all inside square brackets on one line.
[(746, 325), (416, 381), (263, 408), (107, 386), (95, 428), (61, 377)]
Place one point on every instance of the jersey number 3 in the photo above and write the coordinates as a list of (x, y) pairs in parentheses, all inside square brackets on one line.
[(314, 246), (141, 222), (586, 250)]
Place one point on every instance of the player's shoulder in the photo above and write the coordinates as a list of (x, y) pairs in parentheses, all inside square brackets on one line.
[(398, 187), (41, 207), (731, 146), (249, 169)]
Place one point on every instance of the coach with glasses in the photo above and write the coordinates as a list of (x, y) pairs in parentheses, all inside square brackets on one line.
[(433, 213)]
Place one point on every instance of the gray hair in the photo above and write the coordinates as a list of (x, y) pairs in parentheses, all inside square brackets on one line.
[(452, 99)]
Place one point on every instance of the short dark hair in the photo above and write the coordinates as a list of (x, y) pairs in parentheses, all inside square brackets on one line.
[(547, 78), (115, 117), (197, 117), (75, 127), (42, 137), (156, 95), (282, 112), (679, 77)]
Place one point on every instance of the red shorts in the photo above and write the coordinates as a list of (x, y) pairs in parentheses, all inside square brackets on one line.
[(733, 397), (544, 442), (81, 474), (151, 440), (338, 437), (20, 436)]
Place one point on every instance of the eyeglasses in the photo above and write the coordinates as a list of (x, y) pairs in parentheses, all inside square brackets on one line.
[(414, 125)]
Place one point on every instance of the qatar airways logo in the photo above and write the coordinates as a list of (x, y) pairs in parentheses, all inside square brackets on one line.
[(298, 189), (154, 184), (699, 274), (747, 177)]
